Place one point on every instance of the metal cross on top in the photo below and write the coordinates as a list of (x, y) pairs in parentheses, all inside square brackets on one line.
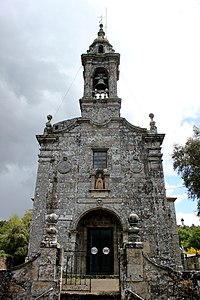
[(100, 19)]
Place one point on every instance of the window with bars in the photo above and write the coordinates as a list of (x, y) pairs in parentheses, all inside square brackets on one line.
[(99, 159)]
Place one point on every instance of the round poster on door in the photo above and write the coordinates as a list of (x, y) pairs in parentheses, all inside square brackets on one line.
[(106, 250), (94, 250)]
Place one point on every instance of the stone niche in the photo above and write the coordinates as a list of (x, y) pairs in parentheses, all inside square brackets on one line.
[(99, 184)]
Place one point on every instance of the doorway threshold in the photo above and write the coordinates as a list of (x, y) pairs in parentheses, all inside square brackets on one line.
[(98, 286)]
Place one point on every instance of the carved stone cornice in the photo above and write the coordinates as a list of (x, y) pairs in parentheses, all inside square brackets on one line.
[(46, 139)]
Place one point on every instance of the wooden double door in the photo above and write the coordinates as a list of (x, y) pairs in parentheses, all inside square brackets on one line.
[(100, 251)]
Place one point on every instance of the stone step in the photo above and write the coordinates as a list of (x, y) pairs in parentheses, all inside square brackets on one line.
[(95, 285), (101, 289), (90, 296)]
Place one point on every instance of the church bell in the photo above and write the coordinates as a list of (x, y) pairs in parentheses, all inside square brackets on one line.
[(101, 85)]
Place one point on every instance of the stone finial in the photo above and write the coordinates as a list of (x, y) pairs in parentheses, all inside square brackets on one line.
[(48, 129), (50, 236), (182, 222), (133, 219), (52, 218), (101, 33), (133, 231), (153, 128)]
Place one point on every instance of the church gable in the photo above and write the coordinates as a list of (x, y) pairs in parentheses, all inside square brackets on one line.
[(100, 189)]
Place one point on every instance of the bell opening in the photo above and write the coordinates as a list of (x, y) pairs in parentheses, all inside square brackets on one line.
[(100, 79)]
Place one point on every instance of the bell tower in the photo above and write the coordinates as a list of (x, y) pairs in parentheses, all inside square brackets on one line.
[(101, 73)]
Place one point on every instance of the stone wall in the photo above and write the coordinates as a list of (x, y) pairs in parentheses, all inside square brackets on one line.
[(134, 174), (41, 275), (161, 283), (134, 182)]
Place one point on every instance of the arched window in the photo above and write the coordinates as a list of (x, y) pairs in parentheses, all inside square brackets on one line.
[(100, 49)]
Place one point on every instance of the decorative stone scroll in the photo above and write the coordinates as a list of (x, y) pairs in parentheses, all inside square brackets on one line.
[(64, 166), (137, 167)]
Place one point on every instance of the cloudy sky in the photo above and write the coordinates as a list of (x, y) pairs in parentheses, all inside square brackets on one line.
[(41, 73)]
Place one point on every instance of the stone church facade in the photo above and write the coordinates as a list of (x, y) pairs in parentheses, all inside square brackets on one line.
[(100, 186)]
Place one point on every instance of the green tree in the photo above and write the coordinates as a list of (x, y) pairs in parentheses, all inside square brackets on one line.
[(189, 237), (183, 233), (194, 239), (186, 161), (14, 238)]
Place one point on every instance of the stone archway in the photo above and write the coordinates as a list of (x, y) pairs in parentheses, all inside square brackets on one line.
[(99, 233)]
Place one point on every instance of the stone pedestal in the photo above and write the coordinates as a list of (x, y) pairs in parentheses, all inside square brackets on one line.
[(132, 261), (47, 274), (134, 264)]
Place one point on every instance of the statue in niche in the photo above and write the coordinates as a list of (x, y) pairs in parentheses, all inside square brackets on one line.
[(99, 185)]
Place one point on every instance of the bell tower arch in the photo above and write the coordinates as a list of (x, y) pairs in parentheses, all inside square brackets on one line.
[(100, 83)]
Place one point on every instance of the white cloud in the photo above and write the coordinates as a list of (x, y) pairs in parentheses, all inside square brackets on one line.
[(177, 191), (16, 196), (40, 55), (189, 219)]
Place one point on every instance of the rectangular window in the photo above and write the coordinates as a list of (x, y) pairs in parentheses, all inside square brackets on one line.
[(99, 159)]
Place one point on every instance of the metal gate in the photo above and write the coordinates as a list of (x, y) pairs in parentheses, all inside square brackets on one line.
[(74, 276)]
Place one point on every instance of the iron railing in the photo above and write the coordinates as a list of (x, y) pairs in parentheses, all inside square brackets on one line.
[(44, 293), (75, 275), (130, 295)]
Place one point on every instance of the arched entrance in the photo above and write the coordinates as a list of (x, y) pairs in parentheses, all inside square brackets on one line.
[(99, 234)]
